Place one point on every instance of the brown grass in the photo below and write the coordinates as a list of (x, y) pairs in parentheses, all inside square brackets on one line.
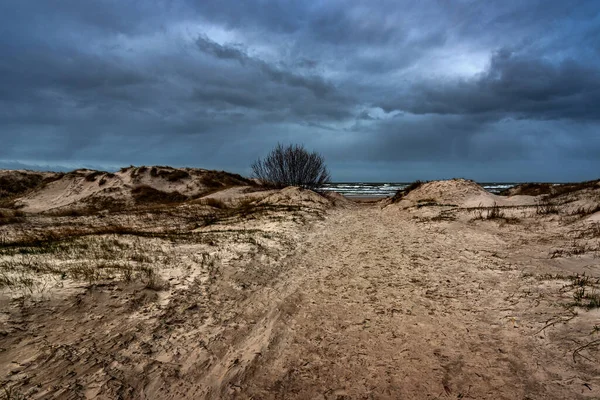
[(216, 179), (549, 189), (92, 177), (91, 207), (568, 188), (174, 176), (528, 189), (11, 217), (17, 183), (145, 194), (545, 207), (585, 211), (212, 202)]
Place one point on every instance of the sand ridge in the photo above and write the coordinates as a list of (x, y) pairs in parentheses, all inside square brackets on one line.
[(81, 188), (459, 193)]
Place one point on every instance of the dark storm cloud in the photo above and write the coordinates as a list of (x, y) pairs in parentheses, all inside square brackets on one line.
[(513, 85), (315, 84), (381, 88)]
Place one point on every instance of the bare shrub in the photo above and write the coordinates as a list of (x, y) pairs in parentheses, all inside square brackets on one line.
[(291, 166)]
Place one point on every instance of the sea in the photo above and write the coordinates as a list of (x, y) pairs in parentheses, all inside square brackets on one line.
[(384, 189)]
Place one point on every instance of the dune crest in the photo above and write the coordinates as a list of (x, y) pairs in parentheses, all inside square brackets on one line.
[(458, 193), (83, 187)]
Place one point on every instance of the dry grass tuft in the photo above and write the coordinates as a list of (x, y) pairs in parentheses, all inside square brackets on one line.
[(545, 207), (586, 293), (585, 211), (485, 213), (576, 249), (400, 194)]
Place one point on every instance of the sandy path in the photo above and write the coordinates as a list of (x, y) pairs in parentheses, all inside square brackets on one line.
[(349, 303), (386, 307)]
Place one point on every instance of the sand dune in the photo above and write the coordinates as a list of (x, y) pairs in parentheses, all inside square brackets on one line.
[(83, 188), (459, 193), (246, 293)]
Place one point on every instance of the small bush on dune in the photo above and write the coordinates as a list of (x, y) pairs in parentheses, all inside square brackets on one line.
[(291, 166)]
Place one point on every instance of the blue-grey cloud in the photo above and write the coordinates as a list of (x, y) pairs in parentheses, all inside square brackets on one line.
[(386, 90), (513, 85)]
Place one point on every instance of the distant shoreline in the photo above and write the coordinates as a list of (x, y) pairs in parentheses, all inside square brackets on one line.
[(386, 189)]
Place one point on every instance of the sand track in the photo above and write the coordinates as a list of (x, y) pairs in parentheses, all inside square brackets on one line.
[(389, 308), (363, 303)]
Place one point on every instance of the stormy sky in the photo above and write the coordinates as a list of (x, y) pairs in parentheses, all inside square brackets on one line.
[(385, 90)]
